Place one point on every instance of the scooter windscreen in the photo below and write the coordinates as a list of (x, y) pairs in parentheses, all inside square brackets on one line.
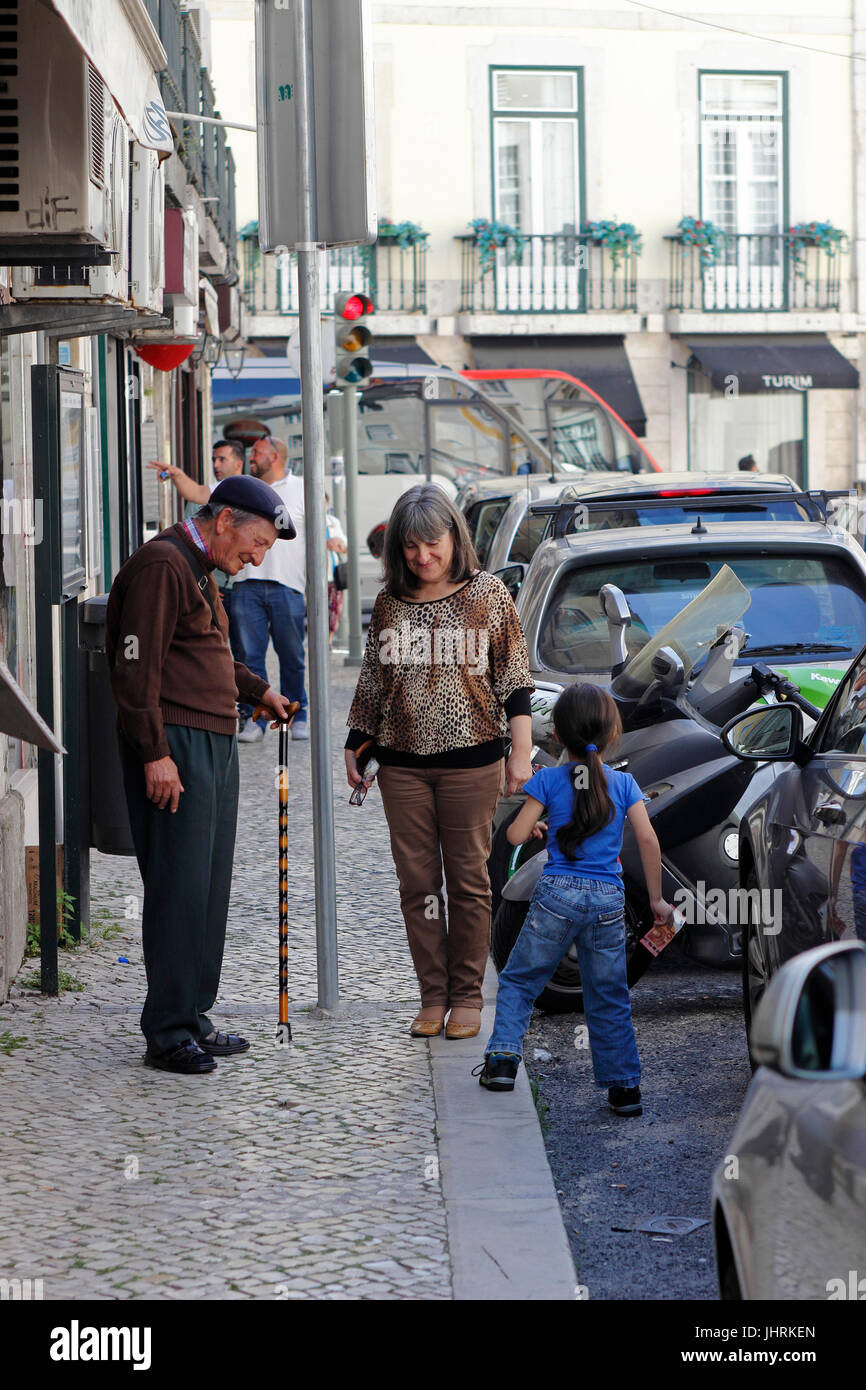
[(691, 633)]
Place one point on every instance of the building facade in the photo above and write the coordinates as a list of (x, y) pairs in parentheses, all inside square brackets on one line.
[(117, 257), (674, 212)]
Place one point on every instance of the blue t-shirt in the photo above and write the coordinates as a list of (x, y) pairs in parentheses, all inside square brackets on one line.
[(598, 855)]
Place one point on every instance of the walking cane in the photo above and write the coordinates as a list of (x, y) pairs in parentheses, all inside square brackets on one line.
[(284, 1028)]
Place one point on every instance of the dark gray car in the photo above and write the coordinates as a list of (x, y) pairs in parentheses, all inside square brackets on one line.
[(802, 852)]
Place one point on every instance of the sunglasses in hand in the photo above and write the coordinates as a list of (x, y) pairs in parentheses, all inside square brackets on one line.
[(360, 791)]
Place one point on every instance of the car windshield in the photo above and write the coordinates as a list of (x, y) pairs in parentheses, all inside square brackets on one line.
[(688, 509), (802, 605)]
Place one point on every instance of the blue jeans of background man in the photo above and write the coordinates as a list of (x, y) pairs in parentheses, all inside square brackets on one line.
[(588, 912), (262, 608)]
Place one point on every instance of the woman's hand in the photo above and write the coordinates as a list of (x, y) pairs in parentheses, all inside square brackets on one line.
[(539, 830), (352, 773), (518, 770)]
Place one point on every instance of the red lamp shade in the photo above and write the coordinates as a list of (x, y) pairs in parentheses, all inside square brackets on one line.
[(165, 356)]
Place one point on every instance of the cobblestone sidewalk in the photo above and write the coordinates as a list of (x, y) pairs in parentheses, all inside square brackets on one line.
[(308, 1172)]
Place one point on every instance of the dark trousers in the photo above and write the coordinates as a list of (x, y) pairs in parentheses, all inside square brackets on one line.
[(185, 860)]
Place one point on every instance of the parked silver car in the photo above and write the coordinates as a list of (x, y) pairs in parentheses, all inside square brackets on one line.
[(617, 501), (789, 1196), (807, 581)]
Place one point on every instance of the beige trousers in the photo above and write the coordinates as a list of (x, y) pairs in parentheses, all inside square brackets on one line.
[(440, 818)]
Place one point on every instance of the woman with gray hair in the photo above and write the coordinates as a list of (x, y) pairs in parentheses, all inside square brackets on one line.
[(445, 667)]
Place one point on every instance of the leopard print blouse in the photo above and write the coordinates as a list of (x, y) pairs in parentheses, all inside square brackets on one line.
[(435, 675)]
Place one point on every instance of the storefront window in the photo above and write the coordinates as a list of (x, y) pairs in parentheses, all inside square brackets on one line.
[(769, 425)]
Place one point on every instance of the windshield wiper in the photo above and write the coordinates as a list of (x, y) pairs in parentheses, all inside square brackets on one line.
[(787, 648)]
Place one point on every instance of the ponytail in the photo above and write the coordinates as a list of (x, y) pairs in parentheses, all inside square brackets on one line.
[(586, 722)]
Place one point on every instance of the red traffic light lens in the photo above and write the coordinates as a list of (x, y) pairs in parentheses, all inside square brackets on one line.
[(356, 305)]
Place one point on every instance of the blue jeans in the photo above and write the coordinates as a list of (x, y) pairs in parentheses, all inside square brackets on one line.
[(234, 636), (588, 912), (263, 608)]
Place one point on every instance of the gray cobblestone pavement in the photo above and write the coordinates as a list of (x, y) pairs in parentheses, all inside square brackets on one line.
[(307, 1172)]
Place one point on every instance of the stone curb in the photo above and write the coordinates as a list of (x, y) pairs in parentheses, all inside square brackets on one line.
[(505, 1230)]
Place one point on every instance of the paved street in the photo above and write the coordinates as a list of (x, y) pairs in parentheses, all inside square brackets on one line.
[(355, 1164), (307, 1172), (614, 1174)]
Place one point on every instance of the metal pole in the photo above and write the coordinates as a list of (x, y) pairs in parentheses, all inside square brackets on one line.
[(313, 426), (350, 460)]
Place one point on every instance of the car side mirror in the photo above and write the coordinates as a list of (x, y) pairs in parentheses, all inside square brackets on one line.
[(811, 1022), (614, 606), (768, 735), (512, 577)]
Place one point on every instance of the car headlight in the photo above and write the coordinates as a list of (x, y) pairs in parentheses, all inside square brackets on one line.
[(731, 845)]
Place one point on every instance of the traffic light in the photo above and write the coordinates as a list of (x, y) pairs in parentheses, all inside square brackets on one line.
[(352, 337)]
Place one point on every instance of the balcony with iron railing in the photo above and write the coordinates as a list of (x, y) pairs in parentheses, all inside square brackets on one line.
[(763, 272), (394, 276), (565, 272)]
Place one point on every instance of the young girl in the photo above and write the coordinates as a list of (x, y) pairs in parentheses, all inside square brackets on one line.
[(579, 898)]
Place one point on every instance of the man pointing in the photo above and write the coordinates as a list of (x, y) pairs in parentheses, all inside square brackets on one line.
[(176, 686)]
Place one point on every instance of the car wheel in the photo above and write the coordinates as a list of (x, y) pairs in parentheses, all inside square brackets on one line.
[(756, 972), (563, 992)]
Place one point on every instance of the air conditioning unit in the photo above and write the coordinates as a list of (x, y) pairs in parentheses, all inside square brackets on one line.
[(74, 280), (146, 235), (56, 145), (184, 320)]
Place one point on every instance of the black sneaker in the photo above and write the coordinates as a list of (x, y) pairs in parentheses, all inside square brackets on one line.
[(497, 1072), (187, 1058), (223, 1044), (625, 1100)]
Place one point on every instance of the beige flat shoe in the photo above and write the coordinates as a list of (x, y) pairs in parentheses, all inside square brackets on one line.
[(463, 1030), (426, 1027)]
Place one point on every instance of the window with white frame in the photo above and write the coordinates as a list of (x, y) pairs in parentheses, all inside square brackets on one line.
[(536, 149), (743, 151)]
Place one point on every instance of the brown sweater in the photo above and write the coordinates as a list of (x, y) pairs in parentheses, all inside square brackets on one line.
[(168, 663)]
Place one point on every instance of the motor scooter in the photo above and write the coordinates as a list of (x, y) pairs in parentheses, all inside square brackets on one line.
[(674, 696)]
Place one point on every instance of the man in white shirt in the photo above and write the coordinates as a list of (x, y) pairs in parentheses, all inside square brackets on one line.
[(268, 600)]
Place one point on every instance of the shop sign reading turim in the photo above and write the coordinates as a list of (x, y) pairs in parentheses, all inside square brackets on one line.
[(786, 383)]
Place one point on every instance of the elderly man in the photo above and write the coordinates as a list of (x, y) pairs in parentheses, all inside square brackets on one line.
[(271, 600), (176, 686)]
